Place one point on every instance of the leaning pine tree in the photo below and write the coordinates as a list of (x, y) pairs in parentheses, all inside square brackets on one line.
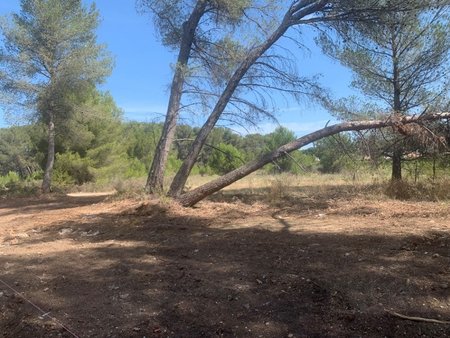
[(49, 63)]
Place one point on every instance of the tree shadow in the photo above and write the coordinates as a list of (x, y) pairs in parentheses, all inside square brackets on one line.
[(153, 273), (28, 205)]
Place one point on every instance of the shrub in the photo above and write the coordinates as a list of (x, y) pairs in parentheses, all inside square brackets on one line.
[(71, 169), (9, 181)]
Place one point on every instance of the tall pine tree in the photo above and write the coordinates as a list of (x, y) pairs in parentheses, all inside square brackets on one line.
[(50, 62)]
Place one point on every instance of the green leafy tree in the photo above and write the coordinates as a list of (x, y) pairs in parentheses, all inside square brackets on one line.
[(400, 62), (92, 148), (281, 136), (18, 151), (141, 140), (49, 62), (225, 158), (335, 153)]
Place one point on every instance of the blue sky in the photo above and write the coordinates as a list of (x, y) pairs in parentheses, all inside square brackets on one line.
[(142, 73)]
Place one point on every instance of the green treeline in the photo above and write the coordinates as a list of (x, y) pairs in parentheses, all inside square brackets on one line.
[(99, 147)]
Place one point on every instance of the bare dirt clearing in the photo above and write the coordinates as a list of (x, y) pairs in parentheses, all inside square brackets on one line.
[(316, 266)]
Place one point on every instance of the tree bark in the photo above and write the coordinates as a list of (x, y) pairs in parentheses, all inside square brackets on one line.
[(397, 164), (194, 196), (47, 181), (295, 14), (155, 180)]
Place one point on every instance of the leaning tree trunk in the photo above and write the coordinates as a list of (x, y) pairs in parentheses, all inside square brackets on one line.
[(47, 181), (155, 178), (192, 197)]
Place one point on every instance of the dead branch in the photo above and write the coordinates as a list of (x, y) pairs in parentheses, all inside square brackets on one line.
[(417, 319)]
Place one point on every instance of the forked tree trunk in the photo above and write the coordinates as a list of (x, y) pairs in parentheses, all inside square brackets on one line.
[(192, 197), (47, 181), (155, 178)]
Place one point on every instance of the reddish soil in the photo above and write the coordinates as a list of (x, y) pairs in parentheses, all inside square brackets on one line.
[(315, 267)]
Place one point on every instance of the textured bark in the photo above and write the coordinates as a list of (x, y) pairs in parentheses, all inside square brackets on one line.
[(155, 178), (397, 164), (297, 12), (194, 196), (47, 181)]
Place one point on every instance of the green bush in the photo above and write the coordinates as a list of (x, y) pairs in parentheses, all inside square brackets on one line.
[(71, 168), (225, 159), (9, 181), (12, 185)]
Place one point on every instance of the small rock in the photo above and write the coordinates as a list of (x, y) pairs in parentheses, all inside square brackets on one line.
[(65, 231), (435, 255), (259, 281), (444, 286), (136, 329), (267, 323), (124, 296), (290, 335)]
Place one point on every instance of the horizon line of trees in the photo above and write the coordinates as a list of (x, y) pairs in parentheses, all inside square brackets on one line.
[(111, 150)]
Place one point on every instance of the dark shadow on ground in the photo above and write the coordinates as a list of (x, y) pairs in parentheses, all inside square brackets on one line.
[(27, 205), (314, 196), (154, 274)]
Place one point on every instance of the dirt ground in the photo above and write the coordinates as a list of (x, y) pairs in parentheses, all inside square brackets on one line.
[(312, 266)]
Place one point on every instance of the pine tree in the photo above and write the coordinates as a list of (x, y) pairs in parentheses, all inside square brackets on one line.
[(50, 62)]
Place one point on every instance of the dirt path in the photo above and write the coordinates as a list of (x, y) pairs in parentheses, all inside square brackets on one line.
[(313, 268)]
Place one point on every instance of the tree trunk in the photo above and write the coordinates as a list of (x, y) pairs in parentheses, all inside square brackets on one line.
[(192, 197), (155, 180), (397, 164), (397, 105), (47, 181)]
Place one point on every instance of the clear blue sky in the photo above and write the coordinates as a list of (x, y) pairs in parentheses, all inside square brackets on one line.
[(142, 73)]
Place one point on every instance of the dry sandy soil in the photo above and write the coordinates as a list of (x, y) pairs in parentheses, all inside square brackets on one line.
[(312, 266)]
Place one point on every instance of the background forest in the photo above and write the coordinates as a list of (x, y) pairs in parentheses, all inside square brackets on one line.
[(101, 151)]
